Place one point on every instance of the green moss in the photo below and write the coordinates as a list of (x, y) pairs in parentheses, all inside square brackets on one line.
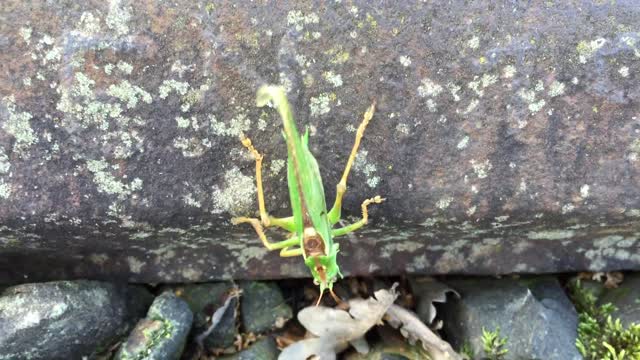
[(586, 49), (600, 337), (320, 105), (18, 126), (493, 344), (108, 183), (5, 165), (128, 93), (5, 190), (168, 86)]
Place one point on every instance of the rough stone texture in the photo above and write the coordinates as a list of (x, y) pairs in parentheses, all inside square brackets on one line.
[(505, 140), (204, 300), (66, 319), (626, 299), (162, 334), (264, 349), (263, 307), (534, 315)]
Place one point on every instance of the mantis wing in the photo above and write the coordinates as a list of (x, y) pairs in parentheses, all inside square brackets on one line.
[(305, 183)]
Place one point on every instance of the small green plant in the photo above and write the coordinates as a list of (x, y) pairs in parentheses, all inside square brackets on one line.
[(600, 337), (467, 351), (494, 344)]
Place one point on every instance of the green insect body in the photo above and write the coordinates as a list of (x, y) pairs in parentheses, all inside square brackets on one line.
[(311, 224)]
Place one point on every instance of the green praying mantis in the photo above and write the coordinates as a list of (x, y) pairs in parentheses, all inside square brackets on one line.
[(311, 225)]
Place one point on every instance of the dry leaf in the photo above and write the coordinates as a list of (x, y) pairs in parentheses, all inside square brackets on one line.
[(611, 279), (430, 291), (414, 329), (336, 328), (614, 279), (217, 316)]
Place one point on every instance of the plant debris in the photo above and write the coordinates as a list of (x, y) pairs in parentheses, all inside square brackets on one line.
[(413, 329), (217, 316), (336, 329)]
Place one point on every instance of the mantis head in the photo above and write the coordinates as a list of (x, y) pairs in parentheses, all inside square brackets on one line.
[(325, 271)]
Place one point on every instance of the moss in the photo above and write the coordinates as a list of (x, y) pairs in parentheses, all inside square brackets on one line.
[(493, 344), (600, 336), (5, 190), (556, 88), (551, 235), (586, 49), (128, 93), (108, 183), (429, 88), (333, 79), (168, 86), (18, 126), (118, 17), (298, 20), (26, 32), (237, 194), (238, 124), (79, 103), (320, 105), (5, 165)]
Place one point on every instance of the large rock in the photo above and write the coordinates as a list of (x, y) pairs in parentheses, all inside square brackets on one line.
[(499, 129), (626, 299), (204, 300), (66, 319), (265, 349), (263, 307), (161, 335), (534, 315)]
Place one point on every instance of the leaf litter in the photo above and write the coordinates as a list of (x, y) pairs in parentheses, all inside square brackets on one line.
[(333, 329)]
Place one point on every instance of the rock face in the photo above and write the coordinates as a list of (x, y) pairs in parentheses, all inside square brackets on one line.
[(263, 307), (66, 319), (626, 299), (505, 137), (536, 317), (204, 300), (162, 334)]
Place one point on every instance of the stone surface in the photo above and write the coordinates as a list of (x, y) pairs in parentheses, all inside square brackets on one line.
[(162, 334), (626, 299), (264, 349), (390, 345), (534, 315), (204, 300), (66, 319), (500, 129), (263, 307)]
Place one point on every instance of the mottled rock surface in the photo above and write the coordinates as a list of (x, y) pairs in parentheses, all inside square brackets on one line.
[(264, 349), (506, 137), (66, 319), (162, 334), (534, 315), (263, 307), (204, 300), (626, 299)]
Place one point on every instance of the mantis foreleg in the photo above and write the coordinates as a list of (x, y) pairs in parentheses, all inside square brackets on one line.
[(365, 217), (266, 220), (341, 188)]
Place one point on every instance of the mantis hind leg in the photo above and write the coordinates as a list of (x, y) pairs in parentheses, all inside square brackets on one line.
[(341, 188), (266, 220), (284, 244), (365, 217)]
